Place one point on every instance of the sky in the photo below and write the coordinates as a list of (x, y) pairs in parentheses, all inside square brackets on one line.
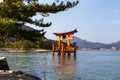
[(95, 20)]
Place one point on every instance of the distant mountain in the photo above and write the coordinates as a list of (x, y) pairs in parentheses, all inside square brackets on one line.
[(87, 44), (116, 44)]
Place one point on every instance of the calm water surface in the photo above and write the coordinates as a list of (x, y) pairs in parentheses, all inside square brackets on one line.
[(86, 65)]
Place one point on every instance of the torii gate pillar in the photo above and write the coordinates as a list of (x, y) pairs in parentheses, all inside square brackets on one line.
[(62, 47)]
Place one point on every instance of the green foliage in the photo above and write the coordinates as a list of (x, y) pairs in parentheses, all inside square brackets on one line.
[(6, 22), (16, 13), (1, 44), (44, 44), (23, 44), (26, 44), (22, 13), (33, 35)]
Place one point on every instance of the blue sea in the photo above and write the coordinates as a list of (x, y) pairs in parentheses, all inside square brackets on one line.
[(86, 65)]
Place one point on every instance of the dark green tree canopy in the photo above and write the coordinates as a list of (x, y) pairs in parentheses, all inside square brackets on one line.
[(15, 13)]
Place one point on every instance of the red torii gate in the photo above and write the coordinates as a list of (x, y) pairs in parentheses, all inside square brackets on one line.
[(63, 47)]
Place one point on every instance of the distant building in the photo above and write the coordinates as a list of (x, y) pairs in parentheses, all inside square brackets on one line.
[(113, 48)]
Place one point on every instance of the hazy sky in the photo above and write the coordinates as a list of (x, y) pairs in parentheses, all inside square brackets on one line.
[(95, 20)]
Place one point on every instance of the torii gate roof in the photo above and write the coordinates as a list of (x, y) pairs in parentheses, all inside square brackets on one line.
[(66, 33)]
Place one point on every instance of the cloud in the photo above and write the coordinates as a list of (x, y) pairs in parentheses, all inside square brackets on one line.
[(116, 11)]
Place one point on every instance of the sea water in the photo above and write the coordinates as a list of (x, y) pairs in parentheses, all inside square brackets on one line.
[(86, 65)]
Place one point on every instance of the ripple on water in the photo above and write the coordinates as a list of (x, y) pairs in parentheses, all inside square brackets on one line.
[(87, 65)]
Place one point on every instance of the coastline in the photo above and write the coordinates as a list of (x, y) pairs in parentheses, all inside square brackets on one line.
[(19, 50), (7, 74), (19, 75)]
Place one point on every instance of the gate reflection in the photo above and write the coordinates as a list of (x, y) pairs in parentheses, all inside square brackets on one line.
[(63, 65)]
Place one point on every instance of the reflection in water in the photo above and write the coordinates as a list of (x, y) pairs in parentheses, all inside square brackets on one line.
[(89, 65), (64, 66)]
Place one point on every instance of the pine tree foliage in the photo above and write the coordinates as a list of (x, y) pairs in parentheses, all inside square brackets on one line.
[(16, 13)]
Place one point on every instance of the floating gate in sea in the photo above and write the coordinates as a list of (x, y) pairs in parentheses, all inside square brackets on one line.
[(64, 47)]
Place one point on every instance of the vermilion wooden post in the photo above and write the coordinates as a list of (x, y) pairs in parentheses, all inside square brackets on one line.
[(53, 48), (61, 46), (75, 48), (68, 43)]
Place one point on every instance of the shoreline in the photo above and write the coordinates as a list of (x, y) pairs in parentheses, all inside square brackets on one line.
[(18, 75), (7, 74), (19, 50)]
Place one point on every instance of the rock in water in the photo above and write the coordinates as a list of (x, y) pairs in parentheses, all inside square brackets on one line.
[(3, 64)]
